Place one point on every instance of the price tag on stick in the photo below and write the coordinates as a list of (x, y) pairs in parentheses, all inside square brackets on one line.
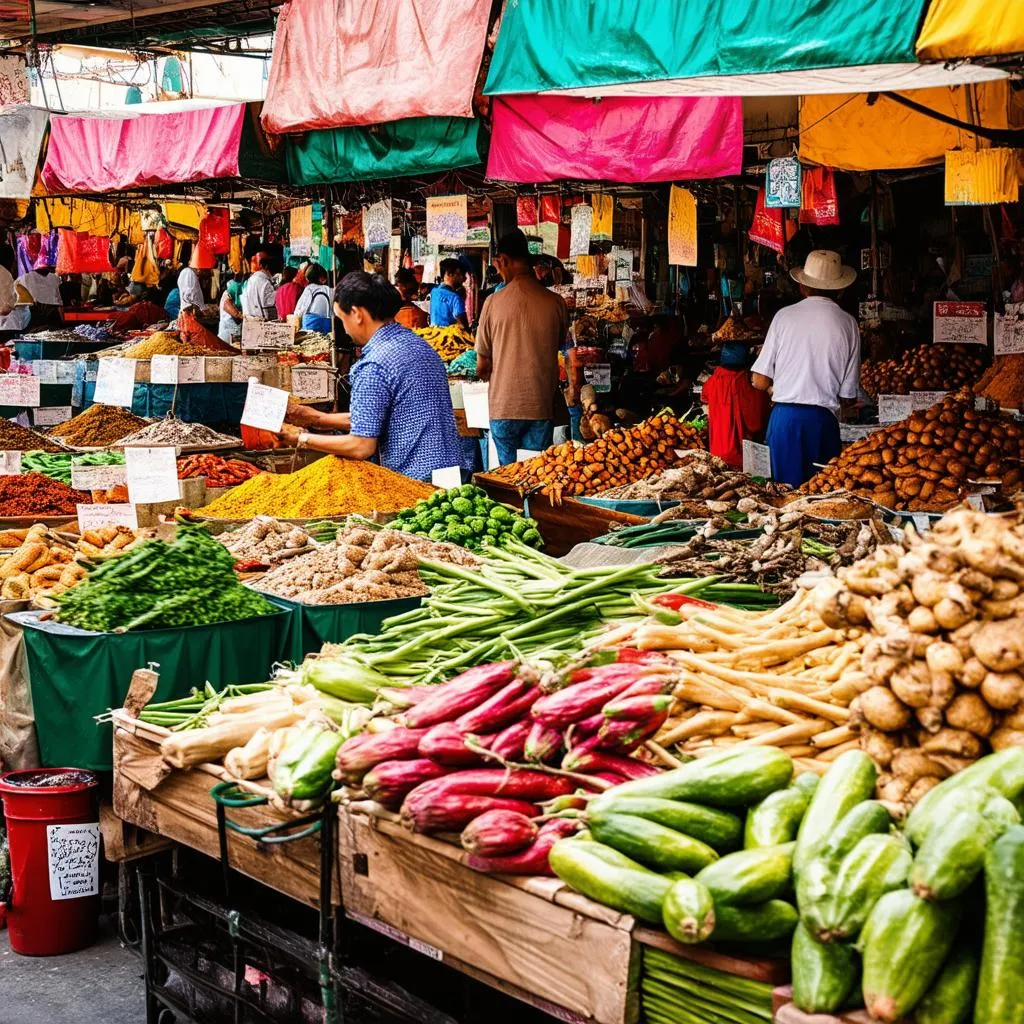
[(265, 407), (447, 478), (91, 517), (152, 475)]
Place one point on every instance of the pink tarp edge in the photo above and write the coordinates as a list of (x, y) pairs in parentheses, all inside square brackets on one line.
[(543, 138), (103, 154), (338, 63)]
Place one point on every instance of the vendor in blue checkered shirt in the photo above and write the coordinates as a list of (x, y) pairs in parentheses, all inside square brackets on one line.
[(401, 407)]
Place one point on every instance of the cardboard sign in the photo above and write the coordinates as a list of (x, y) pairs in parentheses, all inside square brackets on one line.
[(91, 517), (51, 416), (960, 323), (178, 370), (581, 222), (1008, 332), (757, 459), (73, 860), (264, 406), (244, 367), (447, 220), (115, 382), (257, 334), (97, 478), (10, 463), (313, 383), (598, 375), (152, 475), (446, 478), (19, 389), (474, 396)]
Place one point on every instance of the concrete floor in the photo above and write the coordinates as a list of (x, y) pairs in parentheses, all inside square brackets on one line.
[(98, 985)]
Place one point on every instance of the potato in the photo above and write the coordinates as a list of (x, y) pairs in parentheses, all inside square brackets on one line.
[(969, 711), (999, 646), (912, 686), (957, 742), (1006, 737), (879, 746), (920, 787), (1002, 690), (911, 763), (881, 708)]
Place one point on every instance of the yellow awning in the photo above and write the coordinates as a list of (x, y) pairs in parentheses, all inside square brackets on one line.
[(971, 28), (80, 215), (982, 177), (186, 214)]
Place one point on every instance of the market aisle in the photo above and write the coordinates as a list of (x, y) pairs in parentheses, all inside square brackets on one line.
[(103, 983)]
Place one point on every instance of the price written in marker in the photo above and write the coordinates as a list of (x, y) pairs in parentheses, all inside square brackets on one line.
[(178, 370), (312, 383), (152, 475), (92, 517), (19, 389), (757, 459), (265, 407), (51, 416), (115, 382), (97, 478)]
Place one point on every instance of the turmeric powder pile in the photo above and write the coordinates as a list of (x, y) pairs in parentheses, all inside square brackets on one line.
[(162, 343), (328, 487)]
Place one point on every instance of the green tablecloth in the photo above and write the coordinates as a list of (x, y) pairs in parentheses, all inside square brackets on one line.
[(75, 674)]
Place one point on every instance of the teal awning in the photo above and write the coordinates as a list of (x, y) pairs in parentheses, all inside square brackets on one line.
[(579, 43)]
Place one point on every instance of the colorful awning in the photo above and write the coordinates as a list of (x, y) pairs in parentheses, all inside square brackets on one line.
[(971, 28), (21, 136)]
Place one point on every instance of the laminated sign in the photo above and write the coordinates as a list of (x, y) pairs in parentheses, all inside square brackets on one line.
[(447, 220), (377, 224), (782, 183)]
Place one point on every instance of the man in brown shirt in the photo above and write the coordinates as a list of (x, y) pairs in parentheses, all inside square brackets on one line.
[(522, 327)]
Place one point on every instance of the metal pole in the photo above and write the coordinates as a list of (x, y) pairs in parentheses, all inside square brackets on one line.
[(873, 213)]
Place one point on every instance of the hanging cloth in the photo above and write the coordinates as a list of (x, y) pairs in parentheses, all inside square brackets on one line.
[(818, 202)]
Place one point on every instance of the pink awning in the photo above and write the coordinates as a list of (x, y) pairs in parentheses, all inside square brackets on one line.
[(104, 154), (545, 137), (338, 63)]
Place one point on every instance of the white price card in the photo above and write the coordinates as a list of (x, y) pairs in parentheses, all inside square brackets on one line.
[(312, 383), (921, 522), (73, 860), (757, 459), (264, 406), (522, 454), (92, 517), (178, 370), (97, 478), (258, 333), (926, 399), (65, 371), (152, 475), (474, 397), (976, 501), (244, 367), (115, 382), (1008, 331), (19, 389), (893, 408), (51, 415), (850, 432), (450, 476), (960, 323), (598, 375), (45, 370), (10, 463)]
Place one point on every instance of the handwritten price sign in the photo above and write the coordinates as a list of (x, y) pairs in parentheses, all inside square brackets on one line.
[(447, 220), (960, 323)]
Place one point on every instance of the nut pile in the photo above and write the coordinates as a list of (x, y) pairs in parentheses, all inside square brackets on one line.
[(927, 367)]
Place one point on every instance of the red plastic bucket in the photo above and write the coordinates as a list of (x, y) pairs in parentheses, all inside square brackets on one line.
[(54, 836)]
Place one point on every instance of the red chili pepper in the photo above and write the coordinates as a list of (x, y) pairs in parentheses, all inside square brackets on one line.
[(676, 601)]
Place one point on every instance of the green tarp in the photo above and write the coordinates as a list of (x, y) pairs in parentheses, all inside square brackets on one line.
[(417, 145), (575, 43)]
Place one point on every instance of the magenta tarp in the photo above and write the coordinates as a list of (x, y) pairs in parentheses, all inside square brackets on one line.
[(543, 138), (337, 63), (104, 154)]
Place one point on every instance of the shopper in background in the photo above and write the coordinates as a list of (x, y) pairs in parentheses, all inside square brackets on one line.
[(521, 329), (8, 290), (14, 319), (229, 323), (811, 364), (287, 295), (190, 289), (43, 286), (447, 306), (314, 306), (258, 297), (409, 314), (737, 411)]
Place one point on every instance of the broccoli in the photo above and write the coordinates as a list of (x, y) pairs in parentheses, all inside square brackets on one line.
[(463, 506), (492, 529), (435, 499), (452, 518), (533, 538), (457, 533), (468, 491), (438, 532), (445, 507), (500, 514), (477, 524), (520, 526), (437, 516)]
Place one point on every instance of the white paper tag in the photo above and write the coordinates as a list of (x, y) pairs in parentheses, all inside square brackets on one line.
[(73, 860), (893, 408), (757, 459), (1008, 330), (19, 389), (850, 432), (264, 406), (45, 370), (447, 478), (522, 454), (92, 516), (275, 334), (178, 370), (51, 416), (312, 383), (65, 372), (976, 501), (599, 376), (922, 522), (474, 397), (97, 478), (10, 463), (152, 475), (960, 323), (115, 382)]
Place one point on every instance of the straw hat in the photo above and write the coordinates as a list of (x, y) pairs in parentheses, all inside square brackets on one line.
[(825, 270)]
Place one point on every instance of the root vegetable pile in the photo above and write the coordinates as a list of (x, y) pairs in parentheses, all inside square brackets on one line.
[(265, 542), (448, 342), (219, 472), (924, 368), (41, 564)]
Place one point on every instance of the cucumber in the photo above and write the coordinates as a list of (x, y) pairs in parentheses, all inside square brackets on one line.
[(823, 975), (867, 818), (766, 922), (951, 997), (616, 882), (814, 893), (689, 912), (951, 857), (776, 818), (875, 866), (807, 781), (650, 843), (721, 830), (750, 876), (1001, 982), (732, 778), (903, 945), (849, 781)]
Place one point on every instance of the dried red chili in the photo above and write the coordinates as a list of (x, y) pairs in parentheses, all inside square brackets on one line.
[(33, 494)]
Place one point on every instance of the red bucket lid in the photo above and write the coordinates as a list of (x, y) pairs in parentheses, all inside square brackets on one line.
[(47, 780)]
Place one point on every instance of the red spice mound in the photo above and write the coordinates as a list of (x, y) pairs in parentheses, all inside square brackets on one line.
[(33, 494)]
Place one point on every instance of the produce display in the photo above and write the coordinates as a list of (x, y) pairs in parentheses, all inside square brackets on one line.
[(58, 464), (39, 563), (1003, 382), (448, 342), (33, 494), (928, 461), (188, 582), (98, 426), (264, 542), (219, 472), (161, 343), (360, 565), (927, 367), (16, 438), (465, 515), (618, 457), (327, 487), (181, 434), (110, 540)]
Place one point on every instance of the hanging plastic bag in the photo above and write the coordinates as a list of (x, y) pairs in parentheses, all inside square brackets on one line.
[(818, 202), (81, 253), (215, 230), (145, 269), (202, 255), (163, 245)]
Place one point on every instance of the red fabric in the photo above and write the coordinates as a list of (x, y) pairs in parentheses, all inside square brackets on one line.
[(80, 253), (339, 63), (766, 228), (215, 230), (526, 211), (737, 411), (564, 238), (202, 256), (138, 317), (106, 154), (549, 209), (286, 298), (542, 137), (818, 202), (163, 245)]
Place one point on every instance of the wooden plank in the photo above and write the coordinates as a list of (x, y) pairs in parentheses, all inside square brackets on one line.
[(486, 926), (785, 1012), (771, 971)]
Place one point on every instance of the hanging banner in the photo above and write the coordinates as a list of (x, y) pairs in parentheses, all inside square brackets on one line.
[(526, 211), (550, 209), (300, 230), (682, 227), (377, 224), (981, 177), (766, 228), (818, 202), (548, 238), (604, 211), (581, 221), (447, 220), (21, 129), (782, 183)]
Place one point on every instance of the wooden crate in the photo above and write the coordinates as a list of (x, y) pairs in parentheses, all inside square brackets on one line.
[(765, 969), (530, 937), (178, 805), (787, 1013)]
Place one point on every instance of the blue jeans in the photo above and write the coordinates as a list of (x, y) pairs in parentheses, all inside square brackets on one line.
[(511, 435), (800, 436)]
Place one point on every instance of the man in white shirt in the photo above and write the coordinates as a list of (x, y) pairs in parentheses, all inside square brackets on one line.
[(811, 363), (190, 288), (258, 297), (44, 287)]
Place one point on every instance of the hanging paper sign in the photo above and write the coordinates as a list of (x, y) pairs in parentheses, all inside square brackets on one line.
[(312, 383), (73, 860), (45, 370), (582, 218), (782, 183), (152, 475), (19, 389), (757, 460), (447, 220), (97, 478), (115, 382), (51, 416), (598, 375), (377, 224), (178, 370), (264, 406), (258, 333), (300, 231), (447, 478), (10, 463), (960, 323), (682, 227), (92, 517), (474, 397), (1008, 334)]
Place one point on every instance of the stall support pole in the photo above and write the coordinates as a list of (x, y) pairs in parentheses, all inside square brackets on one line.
[(143, 876), (873, 214)]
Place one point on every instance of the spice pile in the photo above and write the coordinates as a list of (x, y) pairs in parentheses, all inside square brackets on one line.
[(447, 342), (927, 461), (219, 472), (619, 457), (181, 434), (41, 564), (327, 487), (58, 464), (33, 494), (99, 425), (1003, 382), (162, 343), (265, 542), (927, 367), (16, 438)]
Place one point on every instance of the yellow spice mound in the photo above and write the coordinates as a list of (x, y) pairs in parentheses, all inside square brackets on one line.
[(162, 343), (328, 487)]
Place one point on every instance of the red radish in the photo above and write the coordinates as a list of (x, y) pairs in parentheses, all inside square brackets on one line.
[(634, 656), (389, 782), (508, 705), (624, 735), (580, 731), (508, 744), (613, 777), (447, 744), (604, 672), (512, 783), (638, 707), (534, 859), (452, 812), (572, 802), (496, 833), (359, 754), (587, 761), (543, 743), (581, 700), (459, 695)]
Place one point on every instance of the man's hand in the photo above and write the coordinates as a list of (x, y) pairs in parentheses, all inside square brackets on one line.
[(300, 415), (290, 433)]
